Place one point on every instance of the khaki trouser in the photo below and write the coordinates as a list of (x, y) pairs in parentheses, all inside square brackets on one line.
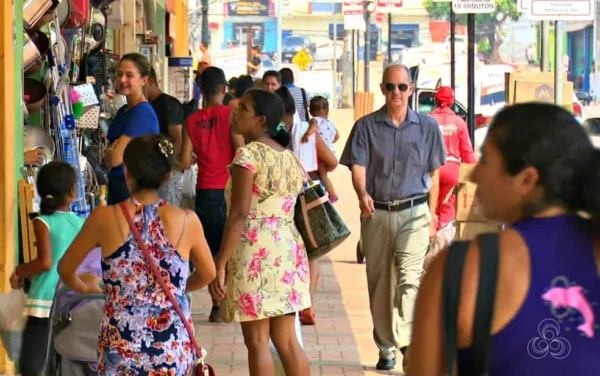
[(394, 246)]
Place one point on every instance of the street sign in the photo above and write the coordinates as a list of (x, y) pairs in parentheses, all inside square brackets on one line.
[(302, 59), (389, 6), (354, 18), (473, 6), (562, 10)]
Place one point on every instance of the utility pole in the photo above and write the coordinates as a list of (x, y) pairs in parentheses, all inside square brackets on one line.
[(389, 41), (471, 75), (334, 93), (545, 50), (367, 54), (205, 30), (452, 49), (559, 27)]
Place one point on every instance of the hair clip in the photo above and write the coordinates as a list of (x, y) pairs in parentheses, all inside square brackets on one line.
[(166, 148), (49, 196), (280, 126)]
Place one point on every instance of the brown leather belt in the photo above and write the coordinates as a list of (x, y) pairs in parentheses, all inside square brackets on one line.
[(409, 203)]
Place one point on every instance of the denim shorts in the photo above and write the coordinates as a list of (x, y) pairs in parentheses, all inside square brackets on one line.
[(212, 211)]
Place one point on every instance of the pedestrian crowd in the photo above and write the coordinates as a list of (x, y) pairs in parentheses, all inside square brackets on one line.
[(252, 151)]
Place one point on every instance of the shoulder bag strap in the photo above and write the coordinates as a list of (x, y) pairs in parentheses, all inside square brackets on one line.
[(451, 289), (161, 281), (486, 297), (305, 102)]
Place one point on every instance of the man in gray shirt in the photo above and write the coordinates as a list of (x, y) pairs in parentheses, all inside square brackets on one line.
[(394, 155)]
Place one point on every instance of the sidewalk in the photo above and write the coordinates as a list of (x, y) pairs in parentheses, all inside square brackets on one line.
[(333, 346)]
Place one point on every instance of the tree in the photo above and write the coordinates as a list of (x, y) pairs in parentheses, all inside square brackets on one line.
[(488, 25)]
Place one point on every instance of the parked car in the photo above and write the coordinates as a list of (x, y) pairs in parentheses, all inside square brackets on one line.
[(292, 44)]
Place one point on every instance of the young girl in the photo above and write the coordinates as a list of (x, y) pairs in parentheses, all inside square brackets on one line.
[(319, 110), (55, 228)]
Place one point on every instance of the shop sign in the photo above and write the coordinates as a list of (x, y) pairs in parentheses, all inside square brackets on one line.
[(473, 6), (354, 17), (389, 6), (258, 8), (560, 10)]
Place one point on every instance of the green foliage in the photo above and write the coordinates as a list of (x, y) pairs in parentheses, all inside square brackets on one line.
[(484, 46)]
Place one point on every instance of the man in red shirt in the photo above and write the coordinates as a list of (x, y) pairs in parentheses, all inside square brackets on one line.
[(458, 150), (208, 134)]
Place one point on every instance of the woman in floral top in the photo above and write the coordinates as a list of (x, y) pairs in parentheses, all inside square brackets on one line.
[(267, 268)]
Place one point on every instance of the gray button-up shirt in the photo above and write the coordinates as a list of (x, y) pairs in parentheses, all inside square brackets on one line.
[(398, 159)]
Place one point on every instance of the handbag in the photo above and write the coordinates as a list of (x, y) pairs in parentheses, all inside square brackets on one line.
[(202, 368), (484, 310), (318, 222)]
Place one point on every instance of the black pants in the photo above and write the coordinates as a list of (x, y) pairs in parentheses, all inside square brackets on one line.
[(212, 211), (35, 344), (117, 190)]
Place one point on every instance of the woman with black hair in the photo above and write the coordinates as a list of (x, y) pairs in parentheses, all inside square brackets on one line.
[(311, 150), (141, 332), (267, 278), (538, 172), (243, 84)]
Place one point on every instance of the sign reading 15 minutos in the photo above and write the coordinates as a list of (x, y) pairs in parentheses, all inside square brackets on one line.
[(473, 6)]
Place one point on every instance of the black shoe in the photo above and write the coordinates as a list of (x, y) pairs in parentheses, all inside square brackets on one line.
[(386, 364)]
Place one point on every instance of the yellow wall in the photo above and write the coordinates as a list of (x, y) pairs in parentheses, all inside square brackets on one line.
[(8, 191), (182, 40)]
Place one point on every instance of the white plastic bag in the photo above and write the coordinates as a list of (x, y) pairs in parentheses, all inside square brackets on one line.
[(188, 189), (12, 321), (279, 371)]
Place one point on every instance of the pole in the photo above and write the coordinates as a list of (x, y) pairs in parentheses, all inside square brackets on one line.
[(334, 93), (545, 50), (205, 30), (367, 54), (559, 27), (353, 66), (279, 34), (471, 75), (452, 49), (389, 41)]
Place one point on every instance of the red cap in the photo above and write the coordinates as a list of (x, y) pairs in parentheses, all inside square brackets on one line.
[(444, 96)]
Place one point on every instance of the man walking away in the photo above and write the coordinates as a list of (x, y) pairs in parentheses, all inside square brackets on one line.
[(170, 114), (394, 155), (301, 98), (458, 149)]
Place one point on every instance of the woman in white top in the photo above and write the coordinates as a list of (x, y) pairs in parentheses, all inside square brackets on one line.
[(310, 152)]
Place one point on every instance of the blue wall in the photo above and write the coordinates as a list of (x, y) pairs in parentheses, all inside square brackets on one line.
[(270, 37), (579, 48)]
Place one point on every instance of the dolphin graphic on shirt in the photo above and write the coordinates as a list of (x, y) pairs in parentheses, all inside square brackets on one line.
[(572, 297)]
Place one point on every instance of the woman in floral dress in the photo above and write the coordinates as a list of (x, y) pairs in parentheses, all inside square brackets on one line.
[(267, 268), (141, 333)]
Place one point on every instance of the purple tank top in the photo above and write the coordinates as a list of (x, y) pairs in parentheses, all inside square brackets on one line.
[(557, 330)]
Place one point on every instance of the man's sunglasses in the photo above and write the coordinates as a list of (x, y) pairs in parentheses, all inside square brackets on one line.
[(402, 87)]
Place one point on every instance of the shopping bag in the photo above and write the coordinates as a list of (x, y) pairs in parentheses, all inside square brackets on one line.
[(188, 189), (12, 321)]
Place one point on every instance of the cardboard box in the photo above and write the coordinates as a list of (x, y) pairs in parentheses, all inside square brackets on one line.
[(527, 86), (470, 230), (468, 208)]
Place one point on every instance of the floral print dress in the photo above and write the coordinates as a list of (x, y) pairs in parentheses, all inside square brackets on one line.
[(141, 333), (267, 276)]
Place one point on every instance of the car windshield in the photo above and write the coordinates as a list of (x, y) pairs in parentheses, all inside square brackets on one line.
[(293, 41)]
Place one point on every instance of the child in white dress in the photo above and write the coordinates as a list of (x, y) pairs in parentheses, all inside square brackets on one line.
[(319, 110)]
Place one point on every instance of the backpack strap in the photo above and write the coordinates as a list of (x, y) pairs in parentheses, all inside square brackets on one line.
[(451, 289), (484, 310), (486, 297)]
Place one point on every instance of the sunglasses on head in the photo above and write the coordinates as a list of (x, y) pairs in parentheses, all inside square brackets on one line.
[(402, 87)]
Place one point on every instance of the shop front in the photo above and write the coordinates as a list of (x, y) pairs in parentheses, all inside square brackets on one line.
[(58, 60)]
